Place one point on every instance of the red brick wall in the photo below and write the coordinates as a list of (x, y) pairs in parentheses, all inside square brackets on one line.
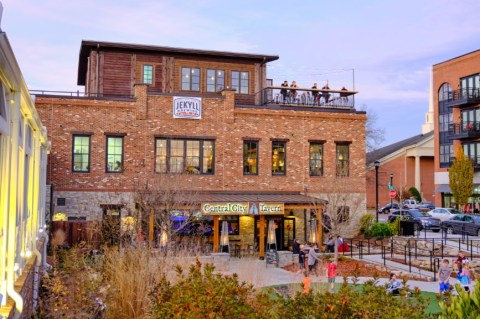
[(63, 116), (450, 72)]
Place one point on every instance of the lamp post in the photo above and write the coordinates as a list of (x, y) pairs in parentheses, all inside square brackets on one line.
[(391, 185), (377, 164)]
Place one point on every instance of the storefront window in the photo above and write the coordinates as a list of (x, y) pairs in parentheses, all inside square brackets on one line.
[(233, 224)]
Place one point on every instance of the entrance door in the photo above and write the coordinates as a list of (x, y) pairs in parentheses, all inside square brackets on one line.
[(284, 231)]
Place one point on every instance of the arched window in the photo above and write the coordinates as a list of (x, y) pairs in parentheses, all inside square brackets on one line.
[(444, 92)]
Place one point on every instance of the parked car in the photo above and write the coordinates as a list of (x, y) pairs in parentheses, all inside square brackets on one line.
[(426, 206), (410, 204), (424, 222), (387, 208), (444, 213), (463, 223)]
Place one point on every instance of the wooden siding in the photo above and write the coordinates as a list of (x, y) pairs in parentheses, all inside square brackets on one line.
[(119, 71), (116, 73)]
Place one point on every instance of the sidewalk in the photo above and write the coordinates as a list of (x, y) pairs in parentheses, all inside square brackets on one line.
[(255, 272)]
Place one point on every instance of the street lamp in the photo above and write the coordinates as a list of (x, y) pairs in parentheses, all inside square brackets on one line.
[(391, 185), (377, 164)]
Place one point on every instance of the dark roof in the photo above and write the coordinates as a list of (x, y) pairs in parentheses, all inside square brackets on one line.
[(277, 197), (457, 57), (88, 45), (392, 148)]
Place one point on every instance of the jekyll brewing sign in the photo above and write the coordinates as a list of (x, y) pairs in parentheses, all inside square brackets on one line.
[(187, 107)]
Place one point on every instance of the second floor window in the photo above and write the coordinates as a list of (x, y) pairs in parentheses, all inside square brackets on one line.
[(250, 157), (114, 154), (215, 80), (81, 153), (240, 82), (472, 151), (342, 160), (316, 159), (190, 79), (446, 154), (148, 74), (184, 156), (278, 157)]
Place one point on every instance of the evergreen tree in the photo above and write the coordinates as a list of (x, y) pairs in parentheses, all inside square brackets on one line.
[(461, 178)]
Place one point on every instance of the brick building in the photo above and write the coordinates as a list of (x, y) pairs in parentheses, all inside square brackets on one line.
[(457, 121), (214, 119)]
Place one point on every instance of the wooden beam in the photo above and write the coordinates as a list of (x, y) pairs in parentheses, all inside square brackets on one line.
[(261, 244), (150, 228), (216, 232)]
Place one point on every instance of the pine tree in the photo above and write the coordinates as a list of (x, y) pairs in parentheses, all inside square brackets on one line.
[(461, 178)]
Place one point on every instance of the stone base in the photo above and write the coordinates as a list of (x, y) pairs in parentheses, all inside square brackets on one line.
[(284, 258)]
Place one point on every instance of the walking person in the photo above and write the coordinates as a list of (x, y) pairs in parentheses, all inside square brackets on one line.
[(313, 259), (301, 259), (331, 273)]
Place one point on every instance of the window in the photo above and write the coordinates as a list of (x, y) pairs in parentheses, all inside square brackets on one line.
[(446, 154), (148, 74), (190, 79), (444, 121), (278, 157), (233, 224), (470, 86), (184, 156), (250, 157), (81, 153), (240, 82), (472, 150), (215, 80), (114, 154), (4, 114), (316, 159), (342, 159), (445, 92)]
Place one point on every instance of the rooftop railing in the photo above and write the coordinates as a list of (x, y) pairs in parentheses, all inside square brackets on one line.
[(278, 95), (463, 97), (79, 94)]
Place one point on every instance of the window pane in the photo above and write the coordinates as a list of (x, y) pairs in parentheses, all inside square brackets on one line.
[(250, 158), (193, 157), (316, 159), (148, 74), (161, 156), (114, 154), (176, 156), (186, 79), (342, 160), (208, 148), (278, 158), (81, 149)]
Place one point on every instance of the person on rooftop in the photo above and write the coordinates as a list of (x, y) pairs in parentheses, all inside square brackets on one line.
[(316, 96), (284, 92), (326, 95), (293, 92)]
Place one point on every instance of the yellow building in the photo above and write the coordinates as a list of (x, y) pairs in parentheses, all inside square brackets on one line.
[(23, 157)]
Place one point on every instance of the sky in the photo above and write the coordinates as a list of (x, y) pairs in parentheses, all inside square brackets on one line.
[(384, 49)]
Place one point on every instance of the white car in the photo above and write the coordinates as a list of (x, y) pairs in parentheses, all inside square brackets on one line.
[(443, 213), (410, 204)]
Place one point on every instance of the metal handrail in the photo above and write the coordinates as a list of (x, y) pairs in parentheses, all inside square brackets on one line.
[(79, 94)]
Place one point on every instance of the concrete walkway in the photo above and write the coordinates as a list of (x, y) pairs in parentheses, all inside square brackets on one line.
[(254, 271)]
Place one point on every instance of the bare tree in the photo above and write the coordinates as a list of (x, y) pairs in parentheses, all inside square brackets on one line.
[(341, 216), (374, 135), (167, 206)]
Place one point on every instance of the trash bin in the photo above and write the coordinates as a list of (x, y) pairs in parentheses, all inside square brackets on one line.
[(408, 227)]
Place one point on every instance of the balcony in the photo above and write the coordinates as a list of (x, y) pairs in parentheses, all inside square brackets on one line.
[(463, 97), (464, 130), (303, 97)]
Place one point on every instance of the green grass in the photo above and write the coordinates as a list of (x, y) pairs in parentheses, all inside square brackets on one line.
[(432, 308)]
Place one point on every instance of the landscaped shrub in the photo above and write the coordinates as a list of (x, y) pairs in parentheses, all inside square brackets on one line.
[(366, 222), (415, 193), (381, 230), (462, 306), (203, 294)]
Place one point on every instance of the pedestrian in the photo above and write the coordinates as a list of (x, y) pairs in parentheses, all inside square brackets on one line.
[(330, 244), (306, 281), (331, 273), (301, 258), (460, 261), (313, 259), (444, 276), (296, 246)]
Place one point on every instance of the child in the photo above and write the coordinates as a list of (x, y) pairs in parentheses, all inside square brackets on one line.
[(444, 276), (307, 282), (331, 274), (394, 285), (465, 280), (301, 258)]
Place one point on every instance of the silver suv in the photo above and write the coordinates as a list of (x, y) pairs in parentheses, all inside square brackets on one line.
[(410, 203)]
